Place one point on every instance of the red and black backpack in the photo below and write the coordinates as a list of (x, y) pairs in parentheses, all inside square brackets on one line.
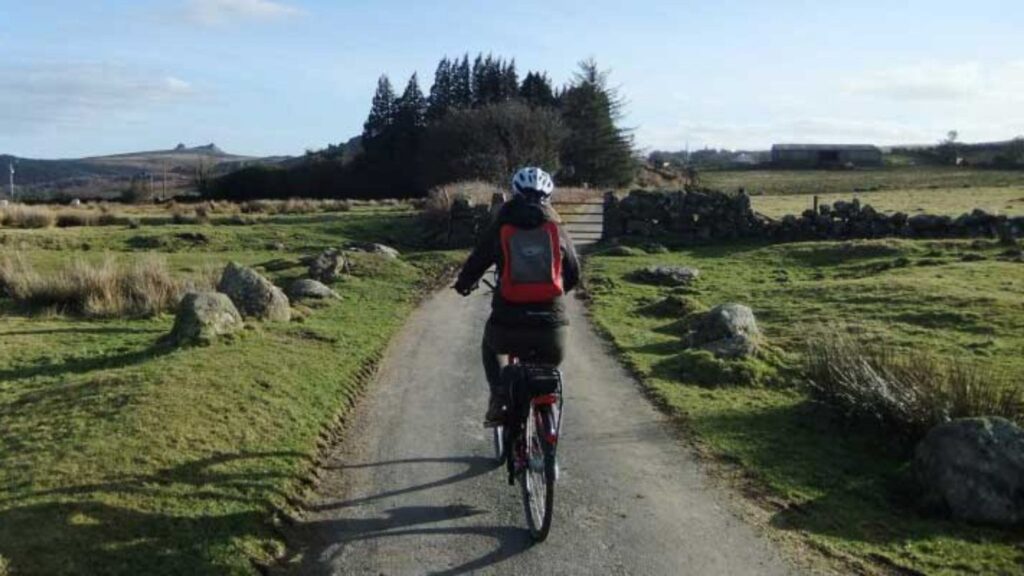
[(532, 270)]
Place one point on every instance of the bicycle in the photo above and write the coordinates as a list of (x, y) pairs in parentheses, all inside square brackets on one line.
[(530, 428)]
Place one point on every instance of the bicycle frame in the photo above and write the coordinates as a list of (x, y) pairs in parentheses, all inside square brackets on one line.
[(515, 421)]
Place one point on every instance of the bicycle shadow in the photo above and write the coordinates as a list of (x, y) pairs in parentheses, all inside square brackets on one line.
[(475, 466), (324, 542)]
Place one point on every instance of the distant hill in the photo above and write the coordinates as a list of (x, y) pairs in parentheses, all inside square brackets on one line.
[(168, 172)]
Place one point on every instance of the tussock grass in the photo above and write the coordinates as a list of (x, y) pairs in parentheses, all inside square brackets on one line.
[(140, 287), (907, 393), (294, 206), (19, 216), (72, 218), (440, 199)]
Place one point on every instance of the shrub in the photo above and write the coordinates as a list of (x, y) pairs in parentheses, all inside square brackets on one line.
[(108, 218), (240, 220), (106, 289), (203, 213), (257, 207), (184, 216), (906, 393), (490, 142), (337, 206), (72, 218), (19, 216), (440, 199)]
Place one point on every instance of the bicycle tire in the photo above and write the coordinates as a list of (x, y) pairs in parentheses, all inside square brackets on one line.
[(498, 435), (538, 509)]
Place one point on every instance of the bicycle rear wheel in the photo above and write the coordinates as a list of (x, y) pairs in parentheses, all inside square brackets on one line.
[(538, 476)]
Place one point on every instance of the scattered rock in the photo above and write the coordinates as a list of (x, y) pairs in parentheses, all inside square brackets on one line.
[(278, 264), (329, 265), (669, 275), (253, 294), (193, 237), (654, 248), (202, 317), (973, 468), (727, 331), (374, 248), (308, 289), (673, 306), (621, 250)]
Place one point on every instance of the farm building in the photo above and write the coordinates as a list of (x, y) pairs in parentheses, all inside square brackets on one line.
[(825, 155)]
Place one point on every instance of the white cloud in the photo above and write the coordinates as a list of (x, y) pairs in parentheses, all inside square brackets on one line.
[(761, 135), (933, 81), (177, 85), (214, 12), (902, 105), (928, 81), (73, 94)]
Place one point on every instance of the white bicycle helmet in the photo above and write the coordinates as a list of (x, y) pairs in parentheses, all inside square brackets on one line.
[(533, 181)]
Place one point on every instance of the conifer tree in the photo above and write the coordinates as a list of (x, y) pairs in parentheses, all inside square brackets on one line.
[(382, 111), (597, 152), (462, 84), (479, 80), (509, 82), (441, 93), (411, 107), (536, 90)]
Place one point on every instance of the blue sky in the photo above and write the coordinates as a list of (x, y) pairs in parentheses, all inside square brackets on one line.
[(278, 76)]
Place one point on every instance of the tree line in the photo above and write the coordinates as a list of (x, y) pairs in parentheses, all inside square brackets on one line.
[(478, 120)]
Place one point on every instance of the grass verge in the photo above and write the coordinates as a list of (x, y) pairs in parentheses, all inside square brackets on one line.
[(118, 456), (840, 488)]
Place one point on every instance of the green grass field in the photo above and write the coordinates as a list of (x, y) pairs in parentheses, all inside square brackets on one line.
[(120, 456), (842, 489), (862, 180), (912, 190), (1007, 200)]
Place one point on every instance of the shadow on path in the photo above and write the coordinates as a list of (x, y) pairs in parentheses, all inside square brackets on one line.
[(325, 541)]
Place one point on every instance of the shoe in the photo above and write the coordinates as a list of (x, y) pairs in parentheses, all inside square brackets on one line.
[(495, 412)]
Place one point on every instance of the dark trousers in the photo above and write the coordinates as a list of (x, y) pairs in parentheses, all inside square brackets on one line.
[(540, 345)]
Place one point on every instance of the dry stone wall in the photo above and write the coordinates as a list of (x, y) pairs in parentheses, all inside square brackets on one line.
[(708, 215)]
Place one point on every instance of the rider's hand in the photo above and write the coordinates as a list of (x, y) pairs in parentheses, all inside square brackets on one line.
[(464, 290)]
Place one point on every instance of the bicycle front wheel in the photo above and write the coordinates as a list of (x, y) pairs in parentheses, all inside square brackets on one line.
[(538, 477)]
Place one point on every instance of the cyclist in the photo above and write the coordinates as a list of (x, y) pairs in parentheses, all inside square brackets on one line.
[(537, 265)]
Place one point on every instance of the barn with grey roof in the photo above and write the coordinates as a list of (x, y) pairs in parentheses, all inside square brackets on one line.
[(825, 155)]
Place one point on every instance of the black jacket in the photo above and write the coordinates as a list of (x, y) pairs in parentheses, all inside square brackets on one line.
[(522, 214)]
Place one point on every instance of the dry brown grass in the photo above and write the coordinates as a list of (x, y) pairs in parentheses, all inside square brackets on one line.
[(295, 206), (21, 216), (578, 194), (907, 393), (110, 288), (72, 218), (475, 191)]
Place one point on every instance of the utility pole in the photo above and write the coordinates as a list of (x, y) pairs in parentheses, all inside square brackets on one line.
[(11, 166)]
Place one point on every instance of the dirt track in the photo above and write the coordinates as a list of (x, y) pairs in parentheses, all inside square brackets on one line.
[(414, 491)]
